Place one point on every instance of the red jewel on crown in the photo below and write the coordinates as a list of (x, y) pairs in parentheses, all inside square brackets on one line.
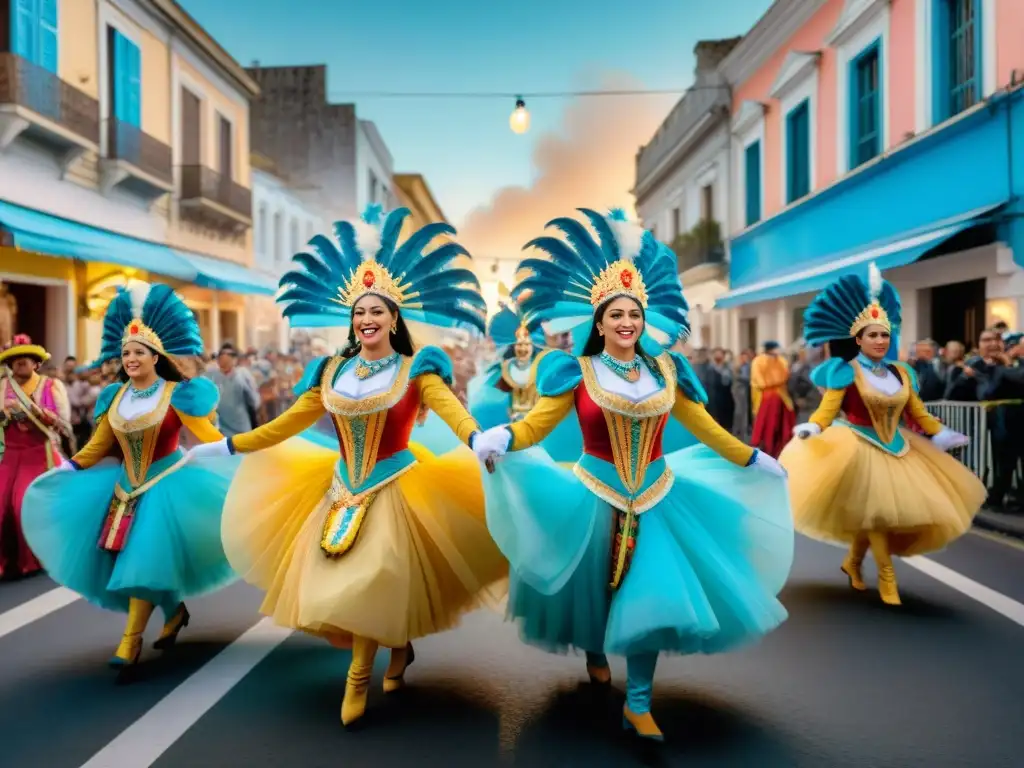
[(627, 278), (368, 279), (874, 312), (134, 329)]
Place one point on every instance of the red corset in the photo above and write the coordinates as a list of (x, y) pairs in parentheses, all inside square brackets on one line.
[(398, 424), (596, 439), (857, 413)]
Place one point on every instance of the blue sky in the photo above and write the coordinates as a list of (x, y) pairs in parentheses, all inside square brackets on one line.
[(464, 147)]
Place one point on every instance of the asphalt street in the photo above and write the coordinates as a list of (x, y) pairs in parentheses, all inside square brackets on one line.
[(845, 682)]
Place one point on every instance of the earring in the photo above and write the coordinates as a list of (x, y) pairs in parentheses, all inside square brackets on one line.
[(394, 327)]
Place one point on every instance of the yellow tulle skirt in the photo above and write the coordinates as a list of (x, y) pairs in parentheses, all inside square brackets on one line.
[(841, 486), (422, 559)]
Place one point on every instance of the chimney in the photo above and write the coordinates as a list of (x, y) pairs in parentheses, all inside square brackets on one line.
[(709, 54)]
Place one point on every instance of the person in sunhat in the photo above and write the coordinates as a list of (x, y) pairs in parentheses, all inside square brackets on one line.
[(34, 415)]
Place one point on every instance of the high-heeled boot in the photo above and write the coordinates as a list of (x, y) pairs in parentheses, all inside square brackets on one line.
[(401, 660), (130, 647), (176, 619), (636, 714), (887, 588), (353, 706), (852, 564), (597, 669)]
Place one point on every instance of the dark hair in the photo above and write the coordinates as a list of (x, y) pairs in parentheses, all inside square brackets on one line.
[(510, 351), (401, 340), (165, 369), (595, 342), (846, 348)]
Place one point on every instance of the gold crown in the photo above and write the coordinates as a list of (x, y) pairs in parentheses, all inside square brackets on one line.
[(138, 331), (522, 334), (872, 314), (371, 277), (621, 278)]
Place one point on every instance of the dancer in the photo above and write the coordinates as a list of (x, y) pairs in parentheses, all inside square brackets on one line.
[(144, 532), (774, 414), (34, 414), (386, 543), (862, 480), (631, 552)]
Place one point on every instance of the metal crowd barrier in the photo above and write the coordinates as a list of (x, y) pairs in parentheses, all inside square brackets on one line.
[(971, 419)]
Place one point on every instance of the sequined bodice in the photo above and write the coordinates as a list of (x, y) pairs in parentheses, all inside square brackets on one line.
[(147, 437), (522, 388), (867, 403)]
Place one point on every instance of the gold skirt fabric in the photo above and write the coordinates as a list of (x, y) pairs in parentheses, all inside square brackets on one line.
[(841, 486), (423, 556)]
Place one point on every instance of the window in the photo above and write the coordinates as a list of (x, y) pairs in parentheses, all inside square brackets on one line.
[(677, 223), (294, 236), (865, 106), (261, 231), (798, 152), (227, 146), (34, 32), (707, 203), (191, 130), (373, 189), (125, 77), (957, 56), (752, 176)]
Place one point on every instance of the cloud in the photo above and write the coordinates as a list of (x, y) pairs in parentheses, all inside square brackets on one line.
[(589, 163)]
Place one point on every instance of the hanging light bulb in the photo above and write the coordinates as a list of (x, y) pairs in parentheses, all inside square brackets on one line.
[(519, 121)]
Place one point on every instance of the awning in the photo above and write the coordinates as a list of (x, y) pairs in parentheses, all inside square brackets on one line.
[(49, 235), (898, 252), (223, 275)]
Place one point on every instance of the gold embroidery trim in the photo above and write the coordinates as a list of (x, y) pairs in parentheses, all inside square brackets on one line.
[(137, 436), (885, 410), (340, 405), (639, 503), (656, 405), (342, 500), (125, 498), (626, 443), (360, 438)]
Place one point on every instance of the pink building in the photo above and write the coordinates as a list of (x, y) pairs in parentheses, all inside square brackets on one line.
[(861, 132)]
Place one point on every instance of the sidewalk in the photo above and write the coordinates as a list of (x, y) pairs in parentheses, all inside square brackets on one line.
[(1000, 522)]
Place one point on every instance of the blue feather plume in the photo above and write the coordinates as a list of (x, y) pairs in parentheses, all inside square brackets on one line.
[(162, 310), (832, 312)]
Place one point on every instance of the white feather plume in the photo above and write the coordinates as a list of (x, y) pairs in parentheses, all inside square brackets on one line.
[(630, 238), (367, 239), (874, 281), (138, 291)]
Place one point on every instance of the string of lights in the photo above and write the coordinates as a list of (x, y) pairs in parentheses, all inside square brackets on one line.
[(343, 94)]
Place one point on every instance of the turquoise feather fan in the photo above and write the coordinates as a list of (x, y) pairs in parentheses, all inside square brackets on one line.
[(158, 307), (833, 311)]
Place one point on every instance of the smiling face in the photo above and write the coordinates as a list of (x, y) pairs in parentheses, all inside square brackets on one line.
[(372, 321), (622, 324), (524, 351), (874, 342), (138, 360)]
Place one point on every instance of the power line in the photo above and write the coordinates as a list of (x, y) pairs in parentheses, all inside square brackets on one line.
[(518, 95)]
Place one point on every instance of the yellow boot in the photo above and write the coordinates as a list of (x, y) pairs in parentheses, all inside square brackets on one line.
[(353, 706), (401, 660), (130, 647), (854, 560), (174, 624), (887, 589)]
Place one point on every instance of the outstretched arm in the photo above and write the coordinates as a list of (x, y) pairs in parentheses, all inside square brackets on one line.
[(303, 414), (545, 415), (438, 397), (695, 418), (97, 448)]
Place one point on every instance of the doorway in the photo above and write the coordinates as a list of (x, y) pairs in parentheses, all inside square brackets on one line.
[(958, 312)]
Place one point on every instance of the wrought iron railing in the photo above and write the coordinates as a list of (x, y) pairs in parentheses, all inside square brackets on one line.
[(27, 85), (198, 181), (127, 142)]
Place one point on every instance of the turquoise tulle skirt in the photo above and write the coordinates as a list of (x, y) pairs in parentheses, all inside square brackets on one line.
[(173, 550), (710, 558)]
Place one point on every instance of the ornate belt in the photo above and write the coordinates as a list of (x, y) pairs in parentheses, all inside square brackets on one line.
[(121, 512)]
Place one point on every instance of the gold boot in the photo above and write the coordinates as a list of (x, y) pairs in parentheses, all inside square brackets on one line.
[(854, 560), (887, 589), (130, 647), (401, 660), (174, 624), (353, 706), (642, 725)]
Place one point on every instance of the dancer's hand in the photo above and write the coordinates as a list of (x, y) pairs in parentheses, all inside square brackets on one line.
[(209, 450), (803, 431), (947, 439), (67, 466), (491, 444), (766, 463)]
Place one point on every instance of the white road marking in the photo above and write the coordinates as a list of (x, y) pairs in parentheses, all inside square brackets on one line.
[(145, 740), (35, 609), (997, 601)]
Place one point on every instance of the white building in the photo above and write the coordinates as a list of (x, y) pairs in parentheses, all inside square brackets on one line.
[(374, 169), (682, 180)]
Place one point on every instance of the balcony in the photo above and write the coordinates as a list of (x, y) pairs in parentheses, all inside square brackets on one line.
[(37, 104), (700, 247), (214, 200), (135, 162)]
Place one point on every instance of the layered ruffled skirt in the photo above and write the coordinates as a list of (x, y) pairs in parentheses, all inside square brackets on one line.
[(423, 556), (841, 486), (710, 558), (173, 549)]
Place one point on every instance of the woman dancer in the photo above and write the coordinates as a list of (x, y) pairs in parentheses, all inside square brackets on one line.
[(143, 532), (632, 552), (386, 543), (863, 480)]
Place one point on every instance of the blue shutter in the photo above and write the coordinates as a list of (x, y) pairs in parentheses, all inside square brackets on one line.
[(752, 176), (23, 29), (120, 79), (134, 86), (48, 26), (798, 151)]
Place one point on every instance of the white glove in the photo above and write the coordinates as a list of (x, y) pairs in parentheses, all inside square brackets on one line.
[(67, 466), (947, 439), (491, 443), (209, 450), (766, 463), (803, 431)]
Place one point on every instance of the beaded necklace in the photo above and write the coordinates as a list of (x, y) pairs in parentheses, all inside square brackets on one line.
[(143, 394), (628, 371), (367, 368)]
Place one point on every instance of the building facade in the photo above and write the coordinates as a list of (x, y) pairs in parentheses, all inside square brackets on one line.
[(885, 131), (123, 153), (682, 189)]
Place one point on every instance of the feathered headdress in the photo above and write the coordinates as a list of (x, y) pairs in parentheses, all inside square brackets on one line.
[(851, 304), (153, 315), (581, 273), (509, 325), (365, 258)]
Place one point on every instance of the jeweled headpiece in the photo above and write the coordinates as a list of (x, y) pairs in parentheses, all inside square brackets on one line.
[(851, 304), (153, 315), (509, 325), (580, 273), (364, 258)]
